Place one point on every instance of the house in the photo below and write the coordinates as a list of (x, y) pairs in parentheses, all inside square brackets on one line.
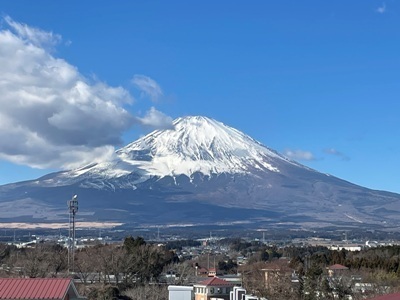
[(186, 293), (277, 271), (204, 272), (337, 270), (38, 289), (201, 272), (213, 287), (212, 272), (394, 296)]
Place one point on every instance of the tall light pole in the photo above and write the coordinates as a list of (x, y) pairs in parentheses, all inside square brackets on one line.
[(73, 209)]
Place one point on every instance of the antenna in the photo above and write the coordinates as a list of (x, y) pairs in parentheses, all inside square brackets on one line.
[(345, 233), (73, 209)]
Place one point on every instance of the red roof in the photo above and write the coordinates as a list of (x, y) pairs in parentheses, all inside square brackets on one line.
[(337, 267), (215, 281), (34, 288), (395, 296)]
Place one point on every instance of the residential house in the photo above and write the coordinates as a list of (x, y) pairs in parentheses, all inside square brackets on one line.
[(395, 296), (38, 289), (337, 270), (211, 288), (277, 271), (201, 272), (212, 272)]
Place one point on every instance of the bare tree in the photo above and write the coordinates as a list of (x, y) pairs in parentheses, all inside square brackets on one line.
[(274, 282), (147, 292), (85, 265), (34, 262), (182, 272), (57, 259)]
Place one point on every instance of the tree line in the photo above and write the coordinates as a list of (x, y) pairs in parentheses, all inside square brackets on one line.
[(133, 269), (105, 269)]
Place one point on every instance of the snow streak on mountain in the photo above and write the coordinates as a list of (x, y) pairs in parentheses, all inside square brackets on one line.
[(194, 144)]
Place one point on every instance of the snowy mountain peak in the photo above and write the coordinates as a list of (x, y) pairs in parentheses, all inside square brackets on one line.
[(195, 144), (244, 181)]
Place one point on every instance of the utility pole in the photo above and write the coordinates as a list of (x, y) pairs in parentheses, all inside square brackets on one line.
[(73, 209)]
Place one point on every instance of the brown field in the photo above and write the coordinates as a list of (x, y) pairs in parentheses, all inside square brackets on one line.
[(16, 225)]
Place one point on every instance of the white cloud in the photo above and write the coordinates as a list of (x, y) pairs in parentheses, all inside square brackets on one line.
[(156, 119), (337, 153), (147, 86), (51, 115), (35, 36), (299, 154), (381, 9)]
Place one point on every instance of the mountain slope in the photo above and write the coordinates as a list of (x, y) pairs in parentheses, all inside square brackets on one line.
[(195, 144), (202, 171)]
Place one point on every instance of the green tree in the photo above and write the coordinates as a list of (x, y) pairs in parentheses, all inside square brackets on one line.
[(130, 243)]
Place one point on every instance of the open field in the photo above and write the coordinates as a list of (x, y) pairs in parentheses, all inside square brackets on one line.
[(86, 225)]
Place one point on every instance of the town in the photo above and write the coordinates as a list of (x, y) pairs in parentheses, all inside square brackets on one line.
[(215, 266)]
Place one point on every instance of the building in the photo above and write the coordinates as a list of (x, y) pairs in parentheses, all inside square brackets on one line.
[(235, 279), (348, 247), (337, 270), (277, 271), (395, 296), (38, 289), (212, 272), (204, 272), (211, 288), (186, 293), (201, 271), (237, 293), (180, 292)]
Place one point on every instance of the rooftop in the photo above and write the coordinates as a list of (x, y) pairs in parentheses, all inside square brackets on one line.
[(395, 296), (34, 288), (337, 267), (215, 281)]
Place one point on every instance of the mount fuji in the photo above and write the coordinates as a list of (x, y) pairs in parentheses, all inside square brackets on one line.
[(200, 171)]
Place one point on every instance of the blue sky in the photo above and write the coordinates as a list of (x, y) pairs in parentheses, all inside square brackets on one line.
[(315, 80)]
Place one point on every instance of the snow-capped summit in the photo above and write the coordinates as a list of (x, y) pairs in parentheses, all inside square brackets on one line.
[(194, 144)]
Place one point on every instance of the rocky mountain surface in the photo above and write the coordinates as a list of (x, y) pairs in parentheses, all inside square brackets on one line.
[(200, 172)]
